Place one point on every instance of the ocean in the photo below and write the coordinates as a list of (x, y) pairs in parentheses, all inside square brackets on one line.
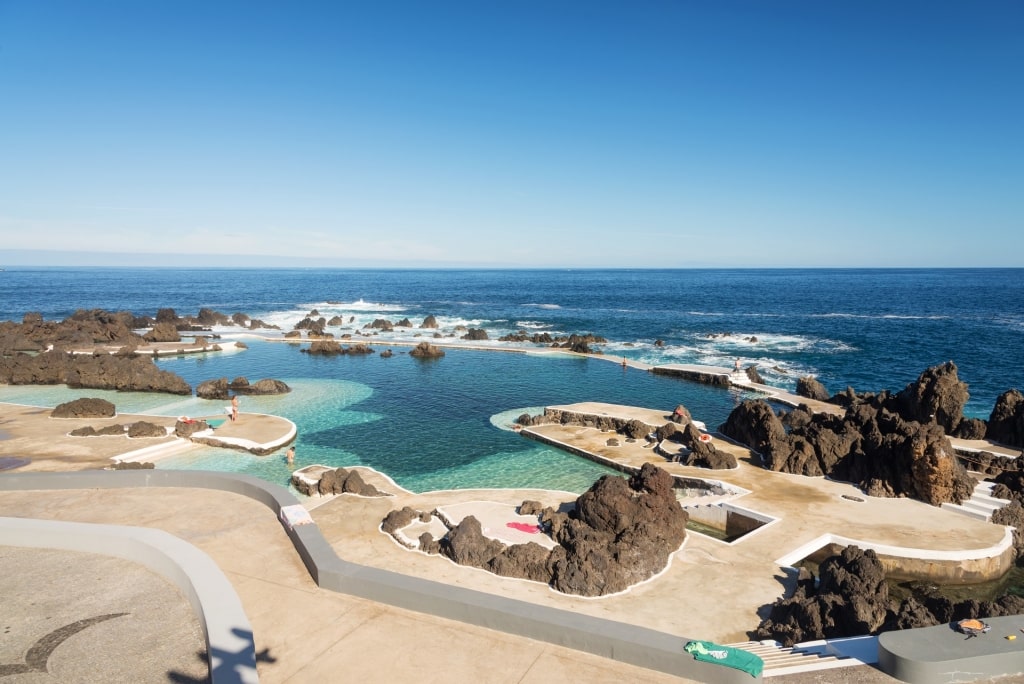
[(443, 424)]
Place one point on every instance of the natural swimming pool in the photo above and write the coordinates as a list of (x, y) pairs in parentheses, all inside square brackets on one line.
[(427, 424)]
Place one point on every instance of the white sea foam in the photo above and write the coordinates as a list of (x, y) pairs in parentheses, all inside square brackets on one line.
[(898, 317), (357, 305), (543, 306)]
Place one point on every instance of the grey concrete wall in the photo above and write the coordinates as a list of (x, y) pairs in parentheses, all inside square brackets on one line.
[(942, 654), (608, 638)]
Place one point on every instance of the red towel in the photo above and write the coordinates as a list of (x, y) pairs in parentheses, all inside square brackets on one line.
[(523, 527)]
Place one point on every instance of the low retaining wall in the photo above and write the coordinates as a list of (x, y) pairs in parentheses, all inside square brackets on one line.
[(946, 567), (607, 638), (942, 654)]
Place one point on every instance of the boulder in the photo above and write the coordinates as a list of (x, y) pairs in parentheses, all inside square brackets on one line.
[(143, 429), (86, 407), (703, 454), (476, 334), (187, 428), (324, 348), (808, 386), (1006, 422), (466, 544), (268, 386), (209, 318), (163, 332), (429, 322), (425, 350), (213, 389)]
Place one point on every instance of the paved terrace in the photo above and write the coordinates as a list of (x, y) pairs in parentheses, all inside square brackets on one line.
[(305, 632)]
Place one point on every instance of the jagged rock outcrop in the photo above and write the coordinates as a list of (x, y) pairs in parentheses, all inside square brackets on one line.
[(128, 374), (1006, 422), (96, 371), (425, 350), (86, 407), (872, 445), (380, 324), (476, 334), (621, 532), (313, 327), (937, 396), (430, 322), (523, 336), (809, 386), (851, 599), (581, 344), (209, 318)]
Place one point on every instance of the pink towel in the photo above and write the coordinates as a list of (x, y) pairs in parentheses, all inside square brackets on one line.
[(523, 527)]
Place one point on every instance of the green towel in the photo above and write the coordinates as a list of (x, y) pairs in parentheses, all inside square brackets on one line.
[(726, 655)]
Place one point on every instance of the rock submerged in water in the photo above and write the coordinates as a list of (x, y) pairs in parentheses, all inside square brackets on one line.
[(425, 350), (221, 389)]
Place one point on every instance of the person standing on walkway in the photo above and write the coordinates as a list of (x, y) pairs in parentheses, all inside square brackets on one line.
[(736, 365), (234, 407)]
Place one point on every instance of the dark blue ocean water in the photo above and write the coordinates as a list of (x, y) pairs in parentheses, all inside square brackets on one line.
[(869, 329)]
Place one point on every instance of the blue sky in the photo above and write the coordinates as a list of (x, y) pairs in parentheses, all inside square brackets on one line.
[(505, 134)]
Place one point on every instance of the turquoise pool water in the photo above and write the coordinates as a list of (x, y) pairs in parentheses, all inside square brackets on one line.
[(427, 425)]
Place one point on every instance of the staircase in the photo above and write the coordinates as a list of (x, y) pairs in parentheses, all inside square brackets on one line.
[(981, 505), (779, 660)]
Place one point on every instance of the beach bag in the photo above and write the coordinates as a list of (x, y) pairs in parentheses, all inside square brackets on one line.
[(972, 627)]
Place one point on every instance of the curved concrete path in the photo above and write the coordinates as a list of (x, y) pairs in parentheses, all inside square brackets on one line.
[(626, 643), (229, 638)]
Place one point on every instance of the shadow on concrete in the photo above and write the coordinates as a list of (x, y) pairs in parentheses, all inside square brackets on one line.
[(229, 667)]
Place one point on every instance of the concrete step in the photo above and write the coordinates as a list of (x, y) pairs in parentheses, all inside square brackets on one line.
[(991, 500), (981, 506), (780, 660), (956, 508)]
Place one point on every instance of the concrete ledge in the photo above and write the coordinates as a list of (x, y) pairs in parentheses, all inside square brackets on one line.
[(971, 565), (226, 628), (607, 638), (942, 654)]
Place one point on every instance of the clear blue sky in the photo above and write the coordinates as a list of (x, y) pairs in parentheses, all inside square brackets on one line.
[(539, 133)]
